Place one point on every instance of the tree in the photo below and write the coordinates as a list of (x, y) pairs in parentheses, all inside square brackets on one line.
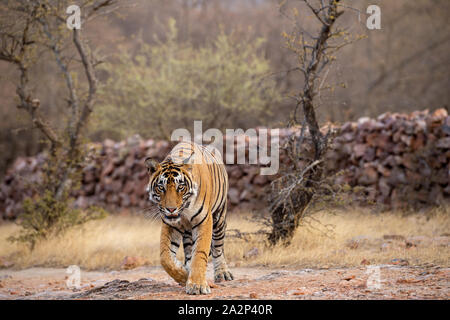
[(29, 32), (170, 84), (314, 50)]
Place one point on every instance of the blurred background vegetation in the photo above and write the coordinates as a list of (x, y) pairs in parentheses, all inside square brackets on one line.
[(167, 62), (171, 83)]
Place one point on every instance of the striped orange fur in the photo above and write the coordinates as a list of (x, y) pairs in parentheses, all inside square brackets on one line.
[(190, 189)]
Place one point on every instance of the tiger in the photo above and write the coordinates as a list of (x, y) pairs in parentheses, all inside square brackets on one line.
[(189, 187)]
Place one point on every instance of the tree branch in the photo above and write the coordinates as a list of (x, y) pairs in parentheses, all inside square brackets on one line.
[(92, 81)]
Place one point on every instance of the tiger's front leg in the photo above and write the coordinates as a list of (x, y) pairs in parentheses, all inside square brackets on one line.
[(202, 234), (170, 241)]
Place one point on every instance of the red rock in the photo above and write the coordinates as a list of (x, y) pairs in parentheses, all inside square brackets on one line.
[(397, 177), (383, 170), (253, 252), (369, 176), (443, 143), (384, 187), (5, 263), (233, 195), (129, 263), (359, 150), (369, 155), (400, 262), (236, 172), (418, 141), (246, 194), (108, 143), (409, 161), (406, 139), (128, 187), (125, 200), (260, 180), (107, 169), (440, 114), (413, 169)]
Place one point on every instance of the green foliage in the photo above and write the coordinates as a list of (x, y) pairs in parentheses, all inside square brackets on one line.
[(169, 85)]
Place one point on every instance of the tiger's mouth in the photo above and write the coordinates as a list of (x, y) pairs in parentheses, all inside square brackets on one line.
[(175, 214), (171, 217), (171, 214)]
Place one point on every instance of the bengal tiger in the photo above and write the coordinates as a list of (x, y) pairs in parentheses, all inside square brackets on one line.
[(190, 189)]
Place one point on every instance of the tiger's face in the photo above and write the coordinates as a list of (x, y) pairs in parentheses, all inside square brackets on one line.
[(170, 188)]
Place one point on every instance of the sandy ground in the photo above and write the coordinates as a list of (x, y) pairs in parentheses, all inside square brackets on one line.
[(395, 282)]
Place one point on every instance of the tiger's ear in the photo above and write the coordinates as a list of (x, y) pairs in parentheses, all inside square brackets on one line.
[(188, 162), (151, 164), (188, 159)]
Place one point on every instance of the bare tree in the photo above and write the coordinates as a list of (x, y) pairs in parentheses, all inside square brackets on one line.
[(293, 191), (30, 30)]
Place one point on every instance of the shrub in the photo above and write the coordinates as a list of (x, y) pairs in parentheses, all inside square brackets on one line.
[(169, 85), (47, 216), (50, 211)]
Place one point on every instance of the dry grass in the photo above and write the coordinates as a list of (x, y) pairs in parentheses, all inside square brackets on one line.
[(314, 246), (103, 244), (100, 244)]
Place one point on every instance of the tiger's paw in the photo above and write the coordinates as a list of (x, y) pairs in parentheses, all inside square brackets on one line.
[(224, 275), (194, 288)]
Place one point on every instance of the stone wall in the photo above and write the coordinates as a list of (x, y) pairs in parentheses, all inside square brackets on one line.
[(403, 159)]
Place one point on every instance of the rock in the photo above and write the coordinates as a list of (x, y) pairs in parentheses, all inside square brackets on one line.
[(245, 195), (359, 150), (108, 143), (4, 264), (235, 173), (107, 170), (409, 161), (419, 240), (400, 262), (439, 114), (443, 143), (409, 245), (384, 187), (365, 262), (260, 180), (393, 237), (403, 281), (233, 195), (401, 159), (369, 176), (418, 142), (129, 263), (357, 242), (397, 177), (253, 252), (442, 241)]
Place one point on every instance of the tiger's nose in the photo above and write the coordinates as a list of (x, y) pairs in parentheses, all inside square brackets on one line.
[(171, 210)]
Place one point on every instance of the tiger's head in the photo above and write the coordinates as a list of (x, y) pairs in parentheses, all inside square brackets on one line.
[(170, 187)]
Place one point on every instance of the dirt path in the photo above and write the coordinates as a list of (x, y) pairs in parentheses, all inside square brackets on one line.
[(396, 282)]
